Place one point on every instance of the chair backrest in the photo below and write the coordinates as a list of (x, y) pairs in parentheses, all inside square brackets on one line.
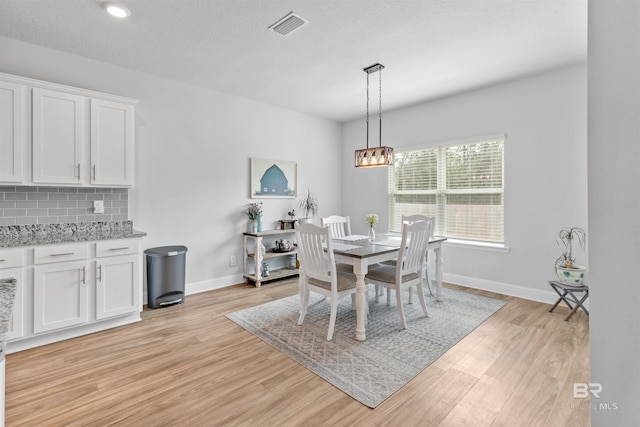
[(315, 261), (415, 238), (410, 219), (339, 226)]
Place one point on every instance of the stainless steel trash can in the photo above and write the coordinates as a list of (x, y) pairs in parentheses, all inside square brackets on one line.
[(165, 275)]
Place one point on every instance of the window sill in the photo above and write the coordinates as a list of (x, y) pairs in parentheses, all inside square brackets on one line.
[(469, 244)]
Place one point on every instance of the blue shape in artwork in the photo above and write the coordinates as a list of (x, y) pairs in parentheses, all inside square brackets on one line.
[(274, 182)]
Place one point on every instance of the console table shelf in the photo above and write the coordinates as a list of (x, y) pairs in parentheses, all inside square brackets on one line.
[(252, 256)]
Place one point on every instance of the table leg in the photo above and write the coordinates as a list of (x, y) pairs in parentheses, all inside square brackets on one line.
[(556, 304), (578, 304), (257, 257), (360, 270), (438, 252)]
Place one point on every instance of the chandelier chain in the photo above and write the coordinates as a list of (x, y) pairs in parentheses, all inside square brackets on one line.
[(380, 94), (367, 110), (380, 106)]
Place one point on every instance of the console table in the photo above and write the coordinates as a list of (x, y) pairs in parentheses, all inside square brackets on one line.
[(254, 257)]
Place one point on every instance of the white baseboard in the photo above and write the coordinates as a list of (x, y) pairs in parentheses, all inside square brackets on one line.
[(206, 285), (544, 296), (32, 341), (548, 297), (211, 284)]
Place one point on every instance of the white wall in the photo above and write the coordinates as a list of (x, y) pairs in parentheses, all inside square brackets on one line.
[(544, 119), (193, 147), (614, 209)]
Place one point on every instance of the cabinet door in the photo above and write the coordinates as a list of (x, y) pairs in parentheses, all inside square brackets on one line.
[(16, 325), (11, 132), (111, 143), (117, 286), (60, 293), (58, 136)]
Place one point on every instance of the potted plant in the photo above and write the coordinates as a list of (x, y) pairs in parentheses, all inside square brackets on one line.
[(254, 213), (566, 268), (309, 205)]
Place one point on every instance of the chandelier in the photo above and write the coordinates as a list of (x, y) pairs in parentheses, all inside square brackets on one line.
[(380, 155)]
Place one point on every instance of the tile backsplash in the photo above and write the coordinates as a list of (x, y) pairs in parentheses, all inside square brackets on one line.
[(54, 205)]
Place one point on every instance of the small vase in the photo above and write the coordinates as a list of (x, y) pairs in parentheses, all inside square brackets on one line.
[(252, 226), (259, 225), (372, 234)]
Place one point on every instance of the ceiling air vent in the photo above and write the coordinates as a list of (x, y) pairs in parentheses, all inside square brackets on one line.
[(288, 24)]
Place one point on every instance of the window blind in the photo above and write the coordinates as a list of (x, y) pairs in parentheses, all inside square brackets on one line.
[(461, 186)]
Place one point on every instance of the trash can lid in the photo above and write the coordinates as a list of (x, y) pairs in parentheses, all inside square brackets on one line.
[(163, 251)]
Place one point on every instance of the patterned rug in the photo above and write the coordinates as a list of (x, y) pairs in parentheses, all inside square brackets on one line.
[(372, 370)]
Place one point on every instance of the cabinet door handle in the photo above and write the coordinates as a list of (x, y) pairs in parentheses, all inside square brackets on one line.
[(84, 275), (99, 278), (64, 254), (2, 260), (94, 172), (119, 249), (78, 171)]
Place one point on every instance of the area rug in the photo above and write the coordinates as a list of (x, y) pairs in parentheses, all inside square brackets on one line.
[(372, 370)]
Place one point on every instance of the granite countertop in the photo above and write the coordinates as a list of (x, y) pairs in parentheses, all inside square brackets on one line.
[(7, 297), (46, 234)]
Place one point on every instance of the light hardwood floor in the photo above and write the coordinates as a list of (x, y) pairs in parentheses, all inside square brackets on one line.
[(188, 365)]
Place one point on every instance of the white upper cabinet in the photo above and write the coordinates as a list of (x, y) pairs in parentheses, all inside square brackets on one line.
[(78, 137), (11, 132), (58, 137), (111, 143)]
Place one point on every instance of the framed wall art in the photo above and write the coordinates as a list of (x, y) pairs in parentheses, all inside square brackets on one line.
[(273, 178)]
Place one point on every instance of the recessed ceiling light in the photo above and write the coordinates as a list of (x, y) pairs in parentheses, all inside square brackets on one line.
[(116, 10)]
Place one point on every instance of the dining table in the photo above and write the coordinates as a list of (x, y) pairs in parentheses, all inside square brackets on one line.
[(361, 253)]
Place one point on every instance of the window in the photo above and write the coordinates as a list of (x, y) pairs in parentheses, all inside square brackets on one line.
[(461, 185)]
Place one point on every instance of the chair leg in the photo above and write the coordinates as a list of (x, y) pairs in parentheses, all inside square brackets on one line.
[(423, 303), (410, 296), (353, 301), (332, 318), (403, 322), (426, 275), (388, 296), (380, 290), (304, 304)]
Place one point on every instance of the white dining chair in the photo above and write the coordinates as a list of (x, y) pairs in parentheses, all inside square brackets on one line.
[(319, 273), (339, 226), (410, 219), (408, 271)]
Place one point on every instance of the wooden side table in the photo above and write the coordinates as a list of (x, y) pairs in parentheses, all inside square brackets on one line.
[(569, 294), (254, 256)]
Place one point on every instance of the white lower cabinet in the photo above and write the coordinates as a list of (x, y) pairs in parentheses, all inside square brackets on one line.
[(11, 263), (117, 290), (16, 326), (60, 296), (73, 289)]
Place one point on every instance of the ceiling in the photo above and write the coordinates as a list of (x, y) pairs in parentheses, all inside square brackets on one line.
[(430, 48)]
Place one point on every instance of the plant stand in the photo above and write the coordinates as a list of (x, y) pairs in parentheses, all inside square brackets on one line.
[(568, 295)]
